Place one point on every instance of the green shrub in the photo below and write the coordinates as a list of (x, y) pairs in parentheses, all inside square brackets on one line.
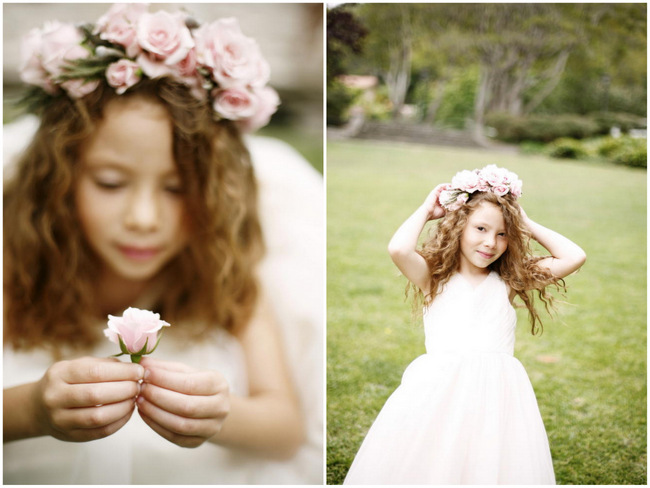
[(636, 157), (567, 148), (609, 146), (622, 120), (541, 128), (339, 100)]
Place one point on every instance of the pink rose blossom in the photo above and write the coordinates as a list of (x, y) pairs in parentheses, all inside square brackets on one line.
[(500, 190), (31, 66), (492, 175), (79, 88), (235, 103), (267, 105), (136, 328), (118, 25), (122, 75), (235, 60), (60, 42), (466, 180), (154, 68), (515, 188), (165, 35)]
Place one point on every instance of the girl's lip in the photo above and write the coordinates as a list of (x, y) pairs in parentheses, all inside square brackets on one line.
[(139, 253), (485, 255)]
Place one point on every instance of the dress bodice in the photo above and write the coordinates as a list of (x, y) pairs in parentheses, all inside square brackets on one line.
[(467, 318)]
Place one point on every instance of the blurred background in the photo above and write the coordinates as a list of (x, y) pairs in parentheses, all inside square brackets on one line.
[(289, 34), (567, 79)]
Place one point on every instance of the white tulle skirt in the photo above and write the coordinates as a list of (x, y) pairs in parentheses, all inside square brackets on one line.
[(457, 419)]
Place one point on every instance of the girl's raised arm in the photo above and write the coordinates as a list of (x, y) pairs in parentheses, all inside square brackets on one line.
[(402, 247), (566, 256)]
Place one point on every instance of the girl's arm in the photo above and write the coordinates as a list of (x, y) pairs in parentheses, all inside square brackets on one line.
[(566, 256), (402, 247), (189, 407)]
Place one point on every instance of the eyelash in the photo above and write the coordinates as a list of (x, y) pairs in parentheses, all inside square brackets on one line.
[(111, 186), (481, 228)]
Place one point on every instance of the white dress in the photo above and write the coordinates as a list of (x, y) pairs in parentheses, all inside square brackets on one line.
[(465, 412), (291, 207)]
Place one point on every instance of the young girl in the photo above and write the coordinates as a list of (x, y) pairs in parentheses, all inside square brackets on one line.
[(138, 190), (465, 412)]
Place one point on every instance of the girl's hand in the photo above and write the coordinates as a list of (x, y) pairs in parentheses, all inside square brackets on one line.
[(523, 214), (183, 405), (432, 203), (86, 399)]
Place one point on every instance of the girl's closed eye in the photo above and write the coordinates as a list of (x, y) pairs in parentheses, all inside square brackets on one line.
[(175, 187), (109, 181)]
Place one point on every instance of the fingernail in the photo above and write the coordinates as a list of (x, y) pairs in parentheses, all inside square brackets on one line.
[(141, 371), (146, 374)]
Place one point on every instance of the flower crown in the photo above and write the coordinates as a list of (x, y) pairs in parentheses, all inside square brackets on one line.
[(499, 181), (216, 61)]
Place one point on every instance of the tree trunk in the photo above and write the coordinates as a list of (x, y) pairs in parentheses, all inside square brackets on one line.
[(398, 76), (554, 76)]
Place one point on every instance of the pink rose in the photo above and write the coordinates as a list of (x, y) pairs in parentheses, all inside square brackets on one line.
[(79, 88), (515, 188), (31, 66), (235, 60), (466, 180), (165, 35), (234, 103), (122, 75), (500, 190), (267, 104), (118, 25), (152, 67), (138, 330), (492, 175), (60, 43)]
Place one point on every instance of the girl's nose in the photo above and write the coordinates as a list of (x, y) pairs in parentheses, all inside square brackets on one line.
[(490, 242), (142, 213)]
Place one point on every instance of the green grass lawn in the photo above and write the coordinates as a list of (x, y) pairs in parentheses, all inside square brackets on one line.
[(588, 368)]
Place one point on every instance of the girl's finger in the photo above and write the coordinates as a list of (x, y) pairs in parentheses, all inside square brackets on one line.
[(178, 425), (178, 439), (84, 435), (195, 383), (91, 370), (195, 407), (148, 362), (93, 417), (93, 394)]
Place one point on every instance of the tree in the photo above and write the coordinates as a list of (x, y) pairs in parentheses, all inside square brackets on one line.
[(389, 47), (345, 34)]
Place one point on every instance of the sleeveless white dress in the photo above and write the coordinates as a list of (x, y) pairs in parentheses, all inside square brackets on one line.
[(465, 412), (292, 215)]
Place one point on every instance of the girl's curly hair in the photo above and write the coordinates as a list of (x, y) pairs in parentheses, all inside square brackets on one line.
[(517, 266), (49, 266)]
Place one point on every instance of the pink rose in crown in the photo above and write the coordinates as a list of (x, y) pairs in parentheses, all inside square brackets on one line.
[(235, 103), (235, 60), (32, 70), (118, 25), (137, 332), (122, 75), (267, 104), (165, 36), (469, 181)]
